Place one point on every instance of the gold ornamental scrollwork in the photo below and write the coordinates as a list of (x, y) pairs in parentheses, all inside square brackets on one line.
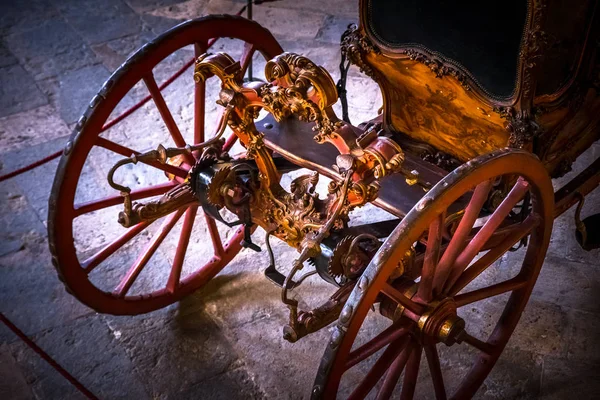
[(303, 89)]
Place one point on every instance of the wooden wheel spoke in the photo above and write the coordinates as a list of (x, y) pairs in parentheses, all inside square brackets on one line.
[(458, 241), (409, 384), (184, 239), (199, 100), (127, 152), (464, 299), (488, 229), (246, 59), (433, 361), (386, 337), (476, 343), (393, 374), (166, 115), (109, 201), (95, 260), (401, 299), (379, 368), (432, 255), (213, 230), (139, 264), (491, 256)]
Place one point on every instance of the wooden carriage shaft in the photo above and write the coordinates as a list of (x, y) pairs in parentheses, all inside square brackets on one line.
[(581, 185)]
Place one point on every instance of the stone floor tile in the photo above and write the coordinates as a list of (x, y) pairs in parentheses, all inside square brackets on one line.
[(30, 128), (17, 214), (517, 375), (184, 10), (192, 345), (160, 24), (339, 8), (143, 6), (333, 27), (89, 351), (99, 24), (285, 23), (542, 329), (237, 384), (564, 379), (113, 53), (6, 57), (582, 341), (50, 48), (12, 382), (283, 370), (35, 184), (569, 284), (31, 294), (15, 17), (18, 91), (72, 96)]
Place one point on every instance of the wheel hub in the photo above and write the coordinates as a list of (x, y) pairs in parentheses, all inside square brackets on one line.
[(438, 323)]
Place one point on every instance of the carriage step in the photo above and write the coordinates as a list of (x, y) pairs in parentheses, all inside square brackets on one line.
[(588, 232)]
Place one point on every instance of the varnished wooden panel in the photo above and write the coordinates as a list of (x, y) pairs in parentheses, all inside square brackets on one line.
[(437, 111)]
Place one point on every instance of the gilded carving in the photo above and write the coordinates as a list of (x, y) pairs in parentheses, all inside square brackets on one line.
[(355, 45), (437, 66)]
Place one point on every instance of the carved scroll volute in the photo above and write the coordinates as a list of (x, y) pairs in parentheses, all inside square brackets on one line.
[(247, 104), (292, 70)]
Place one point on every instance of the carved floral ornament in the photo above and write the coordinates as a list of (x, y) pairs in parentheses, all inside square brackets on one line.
[(298, 87)]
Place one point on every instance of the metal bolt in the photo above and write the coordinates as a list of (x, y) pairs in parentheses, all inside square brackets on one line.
[(68, 147), (363, 283), (346, 314), (336, 337)]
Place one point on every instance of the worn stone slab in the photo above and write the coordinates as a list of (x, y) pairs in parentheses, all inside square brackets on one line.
[(333, 27), (543, 329), (12, 382), (31, 294), (30, 128), (6, 57), (335, 7), (142, 6), (193, 346), (280, 377), (88, 350), (18, 91), (17, 214), (50, 48), (35, 184), (160, 24), (99, 24), (181, 10), (283, 23), (563, 379), (76, 89), (582, 339), (231, 385), (15, 17), (114, 52), (517, 375)]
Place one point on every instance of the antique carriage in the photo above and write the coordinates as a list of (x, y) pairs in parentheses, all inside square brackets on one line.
[(484, 103)]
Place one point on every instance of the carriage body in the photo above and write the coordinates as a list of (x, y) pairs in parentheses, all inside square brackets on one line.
[(477, 77), (482, 105)]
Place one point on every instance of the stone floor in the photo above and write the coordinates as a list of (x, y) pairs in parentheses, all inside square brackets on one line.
[(224, 341)]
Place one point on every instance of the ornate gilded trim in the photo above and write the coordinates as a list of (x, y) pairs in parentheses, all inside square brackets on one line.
[(438, 66), (522, 126), (354, 46)]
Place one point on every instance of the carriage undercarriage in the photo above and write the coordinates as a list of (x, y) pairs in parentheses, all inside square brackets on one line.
[(450, 224)]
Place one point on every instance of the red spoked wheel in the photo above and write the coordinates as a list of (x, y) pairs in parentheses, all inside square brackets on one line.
[(434, 314), (148, 266)]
